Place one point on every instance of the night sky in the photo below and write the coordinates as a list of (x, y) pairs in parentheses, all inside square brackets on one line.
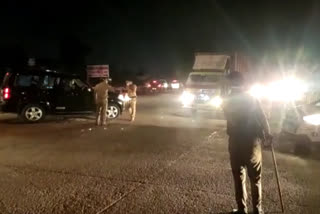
[(161, 36)]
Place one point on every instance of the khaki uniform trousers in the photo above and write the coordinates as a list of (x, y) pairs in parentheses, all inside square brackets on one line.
[(101, 113)]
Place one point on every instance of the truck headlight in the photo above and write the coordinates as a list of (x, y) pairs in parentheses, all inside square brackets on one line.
[(313, 119), (216, 101), (187, 98)]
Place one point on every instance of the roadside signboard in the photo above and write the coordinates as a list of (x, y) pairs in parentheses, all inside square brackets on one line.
[(98, 71)]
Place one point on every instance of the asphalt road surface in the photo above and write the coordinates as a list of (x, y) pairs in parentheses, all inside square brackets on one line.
[(164, 162)]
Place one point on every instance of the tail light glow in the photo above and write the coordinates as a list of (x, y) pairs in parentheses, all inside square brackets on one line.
[(6, 94), (159, 86), (174, 81), (154, 81)]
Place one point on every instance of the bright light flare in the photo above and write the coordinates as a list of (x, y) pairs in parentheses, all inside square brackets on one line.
[(165, 85), (313, 119), (286, 90), (216, 101), (124, 98), (290, 89), (258, 91), (187, 98)]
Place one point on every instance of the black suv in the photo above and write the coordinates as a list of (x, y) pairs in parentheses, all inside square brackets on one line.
[(33, 94)]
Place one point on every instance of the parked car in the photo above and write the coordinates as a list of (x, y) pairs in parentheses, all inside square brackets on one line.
[(301, 126), (33, 94)]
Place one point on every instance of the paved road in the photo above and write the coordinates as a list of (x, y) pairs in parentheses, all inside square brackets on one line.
[(164, 162)]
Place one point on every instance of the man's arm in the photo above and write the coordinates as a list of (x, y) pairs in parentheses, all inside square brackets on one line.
[(110, 88)]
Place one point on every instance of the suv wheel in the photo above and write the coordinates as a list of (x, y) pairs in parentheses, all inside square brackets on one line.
[(33, 113), (113, 111)]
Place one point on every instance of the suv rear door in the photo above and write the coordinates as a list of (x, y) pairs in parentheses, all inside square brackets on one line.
[(25, 89)]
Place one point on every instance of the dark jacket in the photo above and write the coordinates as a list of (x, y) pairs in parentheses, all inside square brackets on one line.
[(245, 117)]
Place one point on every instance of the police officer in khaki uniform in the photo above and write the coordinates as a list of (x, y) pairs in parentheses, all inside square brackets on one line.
[(247, 128), (101, 98), (132, 93)]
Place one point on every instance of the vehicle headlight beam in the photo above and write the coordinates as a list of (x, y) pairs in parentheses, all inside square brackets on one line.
[(187, 98)]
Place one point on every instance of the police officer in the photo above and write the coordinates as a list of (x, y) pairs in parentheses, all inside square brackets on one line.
[(247, 128), (132, 93), (101, 98)]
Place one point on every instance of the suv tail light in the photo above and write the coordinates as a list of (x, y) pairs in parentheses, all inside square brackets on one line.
[(6, 93)]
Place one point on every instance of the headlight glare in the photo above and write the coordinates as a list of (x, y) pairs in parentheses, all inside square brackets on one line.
[(313, 119), (187, 98), (216, 101)]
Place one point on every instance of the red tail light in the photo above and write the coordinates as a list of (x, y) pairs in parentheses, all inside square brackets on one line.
[(154, 81), (148, 85), (174, 81), (6, 93), (159, 86)]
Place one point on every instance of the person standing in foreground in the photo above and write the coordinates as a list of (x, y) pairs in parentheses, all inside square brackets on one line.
[(132, 93), (101, 98), (247, 128)]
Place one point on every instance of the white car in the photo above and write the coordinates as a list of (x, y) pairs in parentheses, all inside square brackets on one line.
[(302, 125)]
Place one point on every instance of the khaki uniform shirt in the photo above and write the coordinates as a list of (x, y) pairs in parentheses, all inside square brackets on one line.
[(132, 90), (101, 92)]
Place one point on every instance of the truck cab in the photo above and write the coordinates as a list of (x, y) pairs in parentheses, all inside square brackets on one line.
[(206, 85), (204, 91)]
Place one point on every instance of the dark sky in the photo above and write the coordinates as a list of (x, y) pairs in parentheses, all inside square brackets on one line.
[(161, 35)]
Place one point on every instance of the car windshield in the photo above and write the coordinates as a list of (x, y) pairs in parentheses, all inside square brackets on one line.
[(79, 83), (199, 78)]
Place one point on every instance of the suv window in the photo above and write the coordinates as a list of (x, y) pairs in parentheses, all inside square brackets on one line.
[(69, 84), (48, 82), (27, 80)]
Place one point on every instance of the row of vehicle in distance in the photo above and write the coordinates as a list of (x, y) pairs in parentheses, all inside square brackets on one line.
[(155, 86)]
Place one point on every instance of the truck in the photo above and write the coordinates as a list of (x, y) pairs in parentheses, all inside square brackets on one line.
[(206, 85)]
